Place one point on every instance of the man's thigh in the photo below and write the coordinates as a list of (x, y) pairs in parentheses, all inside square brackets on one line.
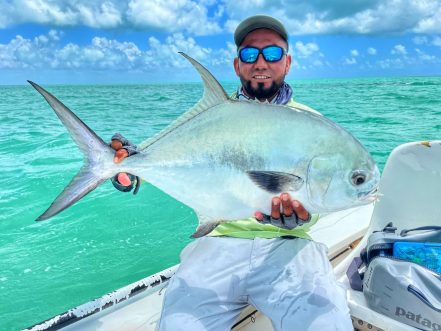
[(207, 291), (293, 284)]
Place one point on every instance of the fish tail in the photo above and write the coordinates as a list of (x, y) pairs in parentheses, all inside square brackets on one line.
[(98, 165)]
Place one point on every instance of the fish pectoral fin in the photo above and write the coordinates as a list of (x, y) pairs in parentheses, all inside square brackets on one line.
[(204, 229), (276, 181)]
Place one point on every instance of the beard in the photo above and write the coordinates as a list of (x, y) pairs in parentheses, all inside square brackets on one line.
[(261, 92)]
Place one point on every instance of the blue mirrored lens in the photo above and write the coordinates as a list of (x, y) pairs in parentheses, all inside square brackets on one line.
[(270, 54), (249, 54)]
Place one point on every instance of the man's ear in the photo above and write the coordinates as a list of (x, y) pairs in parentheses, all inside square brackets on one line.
[(236, 66), (288, 64)]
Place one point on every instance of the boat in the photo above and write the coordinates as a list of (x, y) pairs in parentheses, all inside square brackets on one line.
[(410, 191)]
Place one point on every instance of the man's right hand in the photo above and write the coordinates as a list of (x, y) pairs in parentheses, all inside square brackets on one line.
[(123, 148)]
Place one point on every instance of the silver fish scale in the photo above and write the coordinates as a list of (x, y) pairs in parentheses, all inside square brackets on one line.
[(249, 131)]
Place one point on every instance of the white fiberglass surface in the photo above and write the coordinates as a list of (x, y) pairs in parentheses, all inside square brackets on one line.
[(410, 187)]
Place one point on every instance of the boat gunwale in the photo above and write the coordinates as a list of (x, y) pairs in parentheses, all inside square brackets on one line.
[(104, 302)]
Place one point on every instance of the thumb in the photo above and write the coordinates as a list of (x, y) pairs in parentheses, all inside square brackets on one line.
[(124, 179)]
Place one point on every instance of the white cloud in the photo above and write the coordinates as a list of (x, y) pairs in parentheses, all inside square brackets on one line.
[(306, 55), (399, 50), (93, 13), (166, 54), (225, 55), (431, 22), (425, 57), (317, 63), (205, 17), (105, 15), (371, 51), (358, 17), (26, 53), (172, 15), (396, 63), (350, 61), (167, 15), (101, 54), (354, 53), (420, 40), (305, 50), (46, 51), (436, 41), (421, 58)]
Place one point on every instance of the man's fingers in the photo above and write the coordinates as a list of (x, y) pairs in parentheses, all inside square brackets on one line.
[(275, 208), (287, 205), (301, 212), (116, 145), (258, 216), (124, 179), (120, 155)]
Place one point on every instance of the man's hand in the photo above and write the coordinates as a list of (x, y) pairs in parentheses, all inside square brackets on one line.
[(123, 148), (286, 213), (121, 153)]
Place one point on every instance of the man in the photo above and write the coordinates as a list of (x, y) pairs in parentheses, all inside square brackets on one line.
[(268, 261)]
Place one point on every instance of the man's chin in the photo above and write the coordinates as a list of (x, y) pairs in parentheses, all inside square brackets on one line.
[(265, 92), (266, 85), (261, 90)]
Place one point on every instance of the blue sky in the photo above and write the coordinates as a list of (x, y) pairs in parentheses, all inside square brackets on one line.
[(136, 41)]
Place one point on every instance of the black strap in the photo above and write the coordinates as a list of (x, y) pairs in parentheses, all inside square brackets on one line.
[(355, 279), (421, 228), (138, 183)]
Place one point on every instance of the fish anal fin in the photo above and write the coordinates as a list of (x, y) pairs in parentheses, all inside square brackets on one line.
[(275, 181), (204, 229)]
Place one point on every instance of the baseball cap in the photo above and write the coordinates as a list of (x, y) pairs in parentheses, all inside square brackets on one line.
[(258, 22)]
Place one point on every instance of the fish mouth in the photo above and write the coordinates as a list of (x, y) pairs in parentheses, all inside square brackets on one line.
[(369, 196)]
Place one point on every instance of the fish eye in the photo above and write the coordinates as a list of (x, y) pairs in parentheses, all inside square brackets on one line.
[(358, 177)]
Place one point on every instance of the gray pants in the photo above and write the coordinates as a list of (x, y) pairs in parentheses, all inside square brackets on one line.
[(289, 280)]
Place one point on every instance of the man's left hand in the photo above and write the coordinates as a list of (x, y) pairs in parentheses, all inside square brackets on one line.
[(286, 213)]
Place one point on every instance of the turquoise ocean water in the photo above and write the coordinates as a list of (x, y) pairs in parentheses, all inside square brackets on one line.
[(110, 239)]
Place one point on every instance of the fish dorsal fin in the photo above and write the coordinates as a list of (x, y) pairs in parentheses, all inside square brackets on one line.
[(214, 94)]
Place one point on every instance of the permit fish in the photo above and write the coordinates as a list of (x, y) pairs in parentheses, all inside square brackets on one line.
[(226, 158)]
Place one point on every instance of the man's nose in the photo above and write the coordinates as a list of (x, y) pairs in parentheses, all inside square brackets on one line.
[(260, 62)]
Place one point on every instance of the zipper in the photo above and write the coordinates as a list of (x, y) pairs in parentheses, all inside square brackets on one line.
[(437, 274)]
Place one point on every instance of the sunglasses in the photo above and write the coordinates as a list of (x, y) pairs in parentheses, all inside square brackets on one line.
[(270, 53)]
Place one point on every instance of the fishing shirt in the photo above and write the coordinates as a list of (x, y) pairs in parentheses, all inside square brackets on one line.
[(250, 228)]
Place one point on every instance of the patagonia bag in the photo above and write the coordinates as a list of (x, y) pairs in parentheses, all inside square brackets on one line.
[(402, 275)]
